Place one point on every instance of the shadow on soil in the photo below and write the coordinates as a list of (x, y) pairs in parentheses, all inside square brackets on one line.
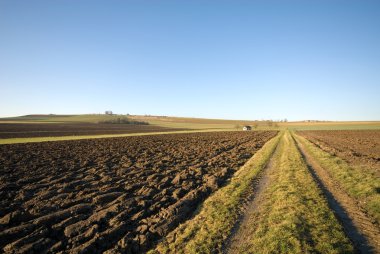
[(358, 240)]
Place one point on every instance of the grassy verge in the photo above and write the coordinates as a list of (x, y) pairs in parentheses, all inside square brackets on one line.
[(206, 232), (294, 217), (363, 185), (45, 139)]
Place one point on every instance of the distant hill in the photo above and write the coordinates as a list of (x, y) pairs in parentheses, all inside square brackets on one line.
[(193, 123)]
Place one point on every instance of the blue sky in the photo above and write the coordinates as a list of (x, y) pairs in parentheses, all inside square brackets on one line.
[(218, 59)]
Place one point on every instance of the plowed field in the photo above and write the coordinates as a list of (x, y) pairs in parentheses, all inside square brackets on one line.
[(20, 130), (361, 147), (111, 194)]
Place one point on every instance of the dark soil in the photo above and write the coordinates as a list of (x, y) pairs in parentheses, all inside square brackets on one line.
[(21, 130), (116, 194), (360, 147)]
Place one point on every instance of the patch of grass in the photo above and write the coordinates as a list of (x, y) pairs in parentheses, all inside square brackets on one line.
[(361, 184), (294, 217), (206, 232)]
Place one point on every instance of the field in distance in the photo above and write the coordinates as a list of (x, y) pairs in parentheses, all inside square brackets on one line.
[(160, 121), (38, 127), (41, 128), (157, 123)]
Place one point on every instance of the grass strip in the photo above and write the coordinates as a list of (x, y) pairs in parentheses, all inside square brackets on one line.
[(206, 232), (293, 216), (362, 185)]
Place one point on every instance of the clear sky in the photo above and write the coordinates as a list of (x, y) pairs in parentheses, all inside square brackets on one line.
[(218, 59)]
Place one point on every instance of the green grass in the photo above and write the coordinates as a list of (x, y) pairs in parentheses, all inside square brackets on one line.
[(294, 217), (206, 232), (361, 184)]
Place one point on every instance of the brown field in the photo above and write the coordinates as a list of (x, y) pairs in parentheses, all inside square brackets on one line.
[(90, 196), (360, 147), (25, 130), (190, 120)]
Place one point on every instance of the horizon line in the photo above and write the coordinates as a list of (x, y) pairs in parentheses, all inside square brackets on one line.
[(284, 120)]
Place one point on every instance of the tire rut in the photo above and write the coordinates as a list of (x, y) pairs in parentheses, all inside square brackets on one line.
[(249, 206), (357, 225)]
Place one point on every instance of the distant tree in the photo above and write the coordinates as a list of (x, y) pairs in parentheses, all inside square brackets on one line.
[(237, 127), (122, 120)]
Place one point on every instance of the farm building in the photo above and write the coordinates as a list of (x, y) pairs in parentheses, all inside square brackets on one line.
[(247, 128), (108, 112)]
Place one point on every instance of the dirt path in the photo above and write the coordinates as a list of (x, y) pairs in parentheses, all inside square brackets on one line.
[(357, 225), (250, 206)]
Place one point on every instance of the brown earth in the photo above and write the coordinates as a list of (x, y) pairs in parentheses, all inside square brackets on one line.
[(22, 130), (360, 147), (115, 195)]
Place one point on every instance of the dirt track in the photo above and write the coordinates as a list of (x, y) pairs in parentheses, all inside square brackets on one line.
[(255, 196), (116, 194), (357, 225)]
